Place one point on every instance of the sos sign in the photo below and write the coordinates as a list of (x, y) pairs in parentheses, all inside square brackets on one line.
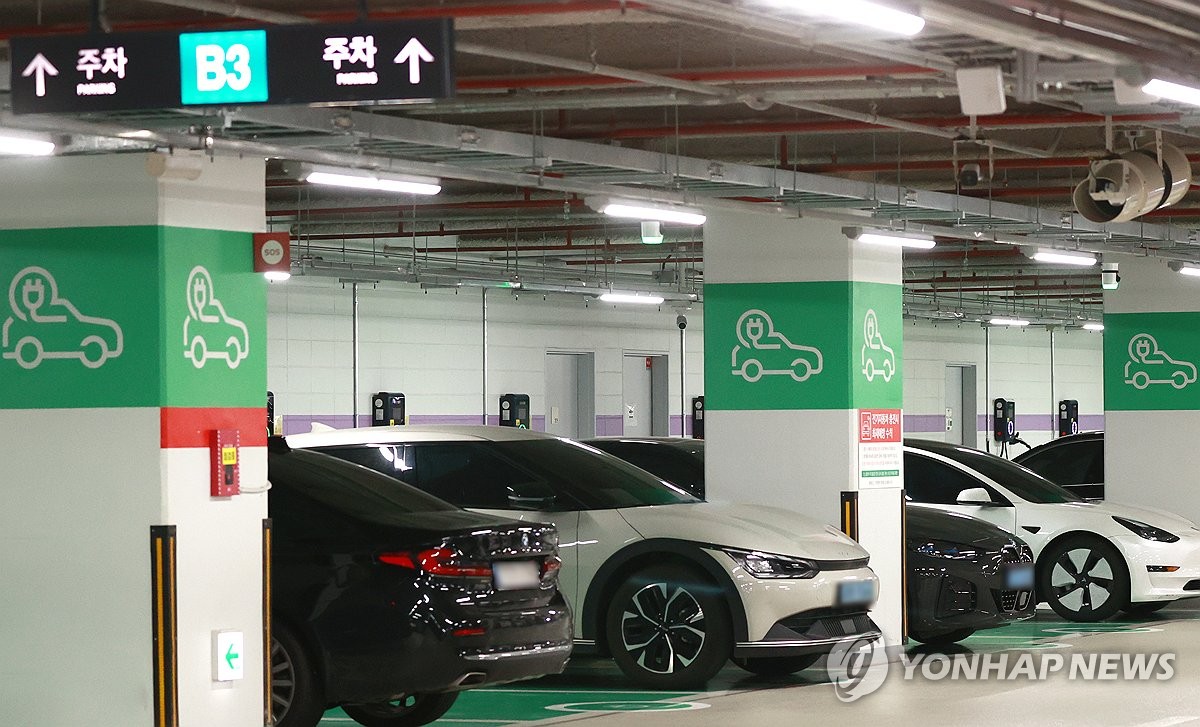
[(223, 68)]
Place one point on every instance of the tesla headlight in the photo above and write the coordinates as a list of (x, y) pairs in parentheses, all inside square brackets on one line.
[(767, 565), (1147, 532), (945, 549)]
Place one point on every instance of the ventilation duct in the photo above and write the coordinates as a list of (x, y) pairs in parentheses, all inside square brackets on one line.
[(1123, 188)]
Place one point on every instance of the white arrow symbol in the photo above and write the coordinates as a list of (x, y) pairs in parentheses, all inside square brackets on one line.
[(41, 67), (412, 54)]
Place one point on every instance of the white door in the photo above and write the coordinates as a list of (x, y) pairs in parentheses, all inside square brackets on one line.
[(571, 395), (637, 409)]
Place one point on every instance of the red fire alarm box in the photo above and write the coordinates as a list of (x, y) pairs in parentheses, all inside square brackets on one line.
[(226, 469)]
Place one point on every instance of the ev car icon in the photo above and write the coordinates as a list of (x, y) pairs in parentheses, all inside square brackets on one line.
[(878, 359), (44, 325), (1148, 364), (763, 351), (209, 332)]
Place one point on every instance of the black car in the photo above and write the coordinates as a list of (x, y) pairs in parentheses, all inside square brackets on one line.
[(1076, 462), (964, 574), (386, 601)]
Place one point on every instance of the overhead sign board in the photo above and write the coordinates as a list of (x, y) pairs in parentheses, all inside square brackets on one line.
[(286, 64)]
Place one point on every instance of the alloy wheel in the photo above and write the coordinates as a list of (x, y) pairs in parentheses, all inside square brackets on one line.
[(283, 680), (663, 628), (1082, 580)]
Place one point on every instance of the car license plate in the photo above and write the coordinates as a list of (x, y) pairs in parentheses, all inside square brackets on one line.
[(514, 575), (1019, 578), (855, 592)]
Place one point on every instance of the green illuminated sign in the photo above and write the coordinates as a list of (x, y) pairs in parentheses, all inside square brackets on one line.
[(223, 68), (1150, 361)]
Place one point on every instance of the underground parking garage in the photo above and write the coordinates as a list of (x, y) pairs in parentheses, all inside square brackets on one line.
[(359, 362)]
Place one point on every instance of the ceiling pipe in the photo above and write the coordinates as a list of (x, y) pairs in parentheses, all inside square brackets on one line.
[(942, 164), (728, 75), (416, 209)]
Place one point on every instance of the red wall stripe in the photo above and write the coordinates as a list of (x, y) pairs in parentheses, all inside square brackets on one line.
[(187, 427)]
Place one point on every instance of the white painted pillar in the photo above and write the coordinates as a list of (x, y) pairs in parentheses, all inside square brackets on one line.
[(789, 306), (106, 428), (1151, 392)]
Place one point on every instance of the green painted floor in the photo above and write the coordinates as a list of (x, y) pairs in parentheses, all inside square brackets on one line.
[(596, 685)]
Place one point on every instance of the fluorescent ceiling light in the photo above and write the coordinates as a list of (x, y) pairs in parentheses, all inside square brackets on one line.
[(376, 181), (632, 298), (277, 276), (860, 12), (1173, 91), (640, 210), (879, 238), (25, 145), (1009, 322), (1064, 257), (1093, 326)]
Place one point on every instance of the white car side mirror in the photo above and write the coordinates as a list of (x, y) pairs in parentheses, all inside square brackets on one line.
[(975, 496)]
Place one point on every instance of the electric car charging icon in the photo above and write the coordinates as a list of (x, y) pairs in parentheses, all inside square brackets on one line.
[(763, 351), (1148, 364), (878, 359), (209, 332), (45, 326)]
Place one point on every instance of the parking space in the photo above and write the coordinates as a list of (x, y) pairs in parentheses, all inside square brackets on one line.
[(594, 690)]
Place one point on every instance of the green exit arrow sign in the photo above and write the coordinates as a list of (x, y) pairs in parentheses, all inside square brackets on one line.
[(228, 664)]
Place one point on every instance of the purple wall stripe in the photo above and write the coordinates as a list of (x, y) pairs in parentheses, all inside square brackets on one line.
[(924, 423), (610, 425)]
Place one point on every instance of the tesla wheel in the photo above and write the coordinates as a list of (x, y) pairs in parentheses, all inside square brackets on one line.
[(295, 687), (1083, 578), (668, 628), (199, 352), (29, 352), (752, 371), (946, 637), (410, 711), (1146, 608), (777, 667), (95, 346)]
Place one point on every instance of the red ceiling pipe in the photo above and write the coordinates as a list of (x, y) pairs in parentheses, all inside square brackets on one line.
[(997, 278), (1012, 288), (482, 10), (443, 206), (749, 75), (1175, 212), (639, 261), (959, 254), (940, 164)]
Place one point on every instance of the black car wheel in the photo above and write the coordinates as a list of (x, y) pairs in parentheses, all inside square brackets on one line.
[(295, 688), (669, 628), (945, 637), (1083, 578), (411, 711), (777, 667), (1146, 607)]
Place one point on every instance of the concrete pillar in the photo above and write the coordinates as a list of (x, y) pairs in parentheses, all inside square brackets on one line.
[(802, 349), (111, 267), (1151, 393)]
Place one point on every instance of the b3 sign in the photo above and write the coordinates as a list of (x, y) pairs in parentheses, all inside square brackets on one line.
[(223, 68)]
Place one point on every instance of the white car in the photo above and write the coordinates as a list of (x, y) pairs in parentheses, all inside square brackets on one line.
[(1093, 559), (669, 586)]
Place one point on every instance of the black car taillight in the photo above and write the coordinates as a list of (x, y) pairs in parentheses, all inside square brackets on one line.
[(438, 562)]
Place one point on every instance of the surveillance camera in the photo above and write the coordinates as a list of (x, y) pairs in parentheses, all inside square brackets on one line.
[(969, 175), (1109, 279), (681, 321)]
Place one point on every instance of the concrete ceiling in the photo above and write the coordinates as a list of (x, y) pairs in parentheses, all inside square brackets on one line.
[(717, 102)]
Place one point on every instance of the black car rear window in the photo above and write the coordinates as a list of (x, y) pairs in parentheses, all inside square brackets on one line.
[(678, 464), (1024, 483), (350, 489)]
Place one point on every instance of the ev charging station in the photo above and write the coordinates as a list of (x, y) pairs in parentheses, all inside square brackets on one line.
[(1068, 417), (387, 408), (514, 411)]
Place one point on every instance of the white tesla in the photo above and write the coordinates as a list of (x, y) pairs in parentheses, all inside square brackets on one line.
[(669, 586), (1093, 559)]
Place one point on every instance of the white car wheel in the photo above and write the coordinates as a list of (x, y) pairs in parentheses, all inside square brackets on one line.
[(1084, 579)]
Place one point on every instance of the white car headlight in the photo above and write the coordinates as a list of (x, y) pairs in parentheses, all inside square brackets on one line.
[(1148, 532), (768, 565)]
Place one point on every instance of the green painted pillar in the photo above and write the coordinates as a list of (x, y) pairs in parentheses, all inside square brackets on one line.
[(1151, 392), (802, 380), (132, 328)]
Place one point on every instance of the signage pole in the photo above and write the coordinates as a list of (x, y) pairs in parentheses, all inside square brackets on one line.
[(354, 349)]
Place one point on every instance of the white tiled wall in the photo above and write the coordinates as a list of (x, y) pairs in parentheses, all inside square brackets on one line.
[(1018, 369), (428, 345)]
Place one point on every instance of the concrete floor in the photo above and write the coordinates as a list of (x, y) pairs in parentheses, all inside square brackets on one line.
[(593, 691)]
